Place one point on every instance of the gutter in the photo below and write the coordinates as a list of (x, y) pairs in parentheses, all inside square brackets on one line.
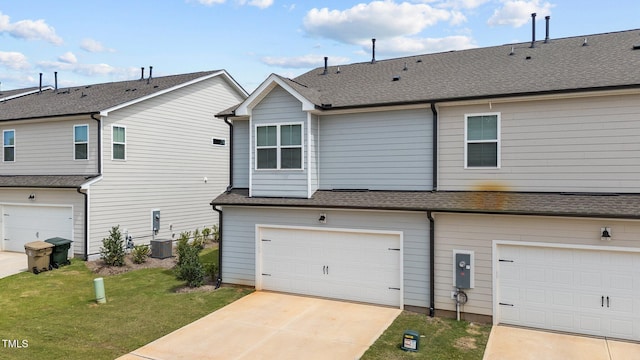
[(220, 223), (432, 266)]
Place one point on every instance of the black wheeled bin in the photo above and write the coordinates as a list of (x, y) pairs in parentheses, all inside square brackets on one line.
[(38, 256), (60, 251)]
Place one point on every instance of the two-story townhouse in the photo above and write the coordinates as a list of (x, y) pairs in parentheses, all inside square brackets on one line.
[(77, 161), (535, 184)]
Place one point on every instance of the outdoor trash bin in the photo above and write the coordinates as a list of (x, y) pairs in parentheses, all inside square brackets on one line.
[(59, 255), (38, 253)]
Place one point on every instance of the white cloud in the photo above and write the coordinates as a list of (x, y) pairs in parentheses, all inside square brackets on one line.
[(300, 62), (379, 19), (462, 4), (94, 46), (29, 30), (517, 13), (13, 60), (82, 69), (68, 58), (211, 2), (262, 4)]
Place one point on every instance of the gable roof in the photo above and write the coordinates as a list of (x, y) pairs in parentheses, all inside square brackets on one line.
[(99, 98), (608, 61), (10, 94)]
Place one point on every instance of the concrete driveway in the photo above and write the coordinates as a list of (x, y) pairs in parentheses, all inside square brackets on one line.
[(12, 263), (266, 325), (508, 342)]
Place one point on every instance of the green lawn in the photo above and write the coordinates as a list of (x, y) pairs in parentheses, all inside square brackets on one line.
[(56, 312), (441, 339)]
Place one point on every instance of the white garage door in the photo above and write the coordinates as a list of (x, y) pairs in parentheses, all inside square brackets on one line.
[(23, 224), (335, 264), (594, 292)]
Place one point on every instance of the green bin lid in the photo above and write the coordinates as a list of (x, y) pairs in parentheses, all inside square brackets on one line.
[(58, 241)]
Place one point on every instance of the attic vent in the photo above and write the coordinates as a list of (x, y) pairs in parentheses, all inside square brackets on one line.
[(396, 77), (419, 60)]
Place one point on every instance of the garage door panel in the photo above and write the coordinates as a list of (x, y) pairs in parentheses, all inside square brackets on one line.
[(23, 224), (586, 291), (346, 265)]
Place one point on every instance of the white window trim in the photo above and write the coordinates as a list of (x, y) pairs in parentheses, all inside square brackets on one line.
[(12, 146), (80, 142), (497, 141), (278, 146), (124, 143), (218, 145)]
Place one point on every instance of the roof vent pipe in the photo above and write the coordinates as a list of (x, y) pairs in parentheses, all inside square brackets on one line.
[(373, 48), (533, 30), (40, 88), (142, 73), (150, 74), (55, 77), (546, 37), (326, 70)]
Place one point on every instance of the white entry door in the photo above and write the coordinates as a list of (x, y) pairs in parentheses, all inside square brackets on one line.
[(23, 224), (593, 292), (345, 265)]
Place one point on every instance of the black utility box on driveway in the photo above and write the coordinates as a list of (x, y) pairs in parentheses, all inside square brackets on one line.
[(59, 255)]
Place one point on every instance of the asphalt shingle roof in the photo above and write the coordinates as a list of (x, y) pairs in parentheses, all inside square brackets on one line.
[(543, 204), (44, 181), (608, 61), (89, 98)]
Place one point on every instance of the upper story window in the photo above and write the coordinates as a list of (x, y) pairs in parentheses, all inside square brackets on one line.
[(9, 145), (482, 141), (81, 142), (279, 146), (118, 140)]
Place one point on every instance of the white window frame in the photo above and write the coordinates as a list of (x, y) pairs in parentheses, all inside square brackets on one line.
[(120, 143), (497, 141), (7, 146), (278, 146), (80, 142)]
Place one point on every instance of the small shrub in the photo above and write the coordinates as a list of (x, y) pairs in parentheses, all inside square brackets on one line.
[(181, 247), (216, 233), (112, 250), (191, 269), (198, 239), (140, 253), (211, 270), (206, 233)]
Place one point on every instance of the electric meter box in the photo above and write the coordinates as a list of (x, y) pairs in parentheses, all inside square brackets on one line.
[(463, 269), (410, 340)]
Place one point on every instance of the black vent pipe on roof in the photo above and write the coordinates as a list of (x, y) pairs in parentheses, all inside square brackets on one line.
[(55, 77), (150, 74), (40, 88), (546, 37), (373, 51), (142, 73), (533, 30), (326, 69)]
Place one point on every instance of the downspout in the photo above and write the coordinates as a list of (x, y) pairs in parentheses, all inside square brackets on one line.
[(434, 160), (86, 223), (226, 120), (219, 280), (99, 143), (432, 258)]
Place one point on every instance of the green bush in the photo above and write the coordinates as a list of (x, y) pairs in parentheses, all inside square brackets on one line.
[(211, 270), (140, 253), (112, 250), (191, 269), (216, 233), (198, 239)]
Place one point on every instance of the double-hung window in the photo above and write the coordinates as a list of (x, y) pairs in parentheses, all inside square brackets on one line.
[(81, 142), (482, 141), (9, 145), (118, 143), (279, 146)]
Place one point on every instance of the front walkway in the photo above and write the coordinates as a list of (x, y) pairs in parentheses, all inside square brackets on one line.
[(12, 263), (267, 325)]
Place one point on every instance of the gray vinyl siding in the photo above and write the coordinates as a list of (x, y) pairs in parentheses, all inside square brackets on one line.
[(47, 148), (279, 107), (477, 233), (240, 143), (239, 240), (390, 150), (587, 144), (314, 150), (50, 197), (169, 154)]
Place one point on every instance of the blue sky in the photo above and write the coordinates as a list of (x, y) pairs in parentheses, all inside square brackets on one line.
[(95, 41)]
